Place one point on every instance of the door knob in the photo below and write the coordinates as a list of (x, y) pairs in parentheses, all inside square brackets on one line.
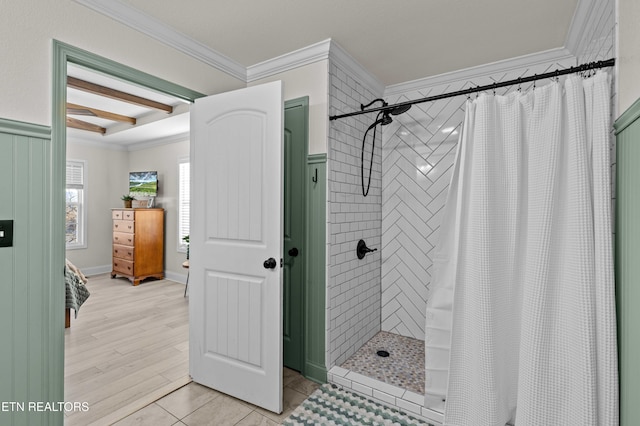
[(270, 263), (293, 252)]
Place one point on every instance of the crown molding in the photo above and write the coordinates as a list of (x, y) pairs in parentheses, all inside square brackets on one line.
[(298, 58), (586, 11), (340, 56), (140, 21), (552, 55), (574, 46), (326, 49), (181, 137)]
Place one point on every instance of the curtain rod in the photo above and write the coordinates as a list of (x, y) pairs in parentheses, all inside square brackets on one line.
[(579, 68)]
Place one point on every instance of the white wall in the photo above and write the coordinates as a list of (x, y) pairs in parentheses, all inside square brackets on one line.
[(27, 28), (107, 181), (309, 80), (106, 176), (164, 159), (628, 53)]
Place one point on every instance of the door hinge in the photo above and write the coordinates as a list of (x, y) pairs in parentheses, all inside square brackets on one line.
[(281, 263)]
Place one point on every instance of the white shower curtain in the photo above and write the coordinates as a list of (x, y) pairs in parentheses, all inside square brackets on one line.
[(522, 311)]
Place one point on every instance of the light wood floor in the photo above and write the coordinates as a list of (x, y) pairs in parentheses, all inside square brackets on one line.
[(196, 405), (128, 347)]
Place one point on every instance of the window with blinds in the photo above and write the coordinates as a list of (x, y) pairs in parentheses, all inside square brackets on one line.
[(184, 200), (75, 218)]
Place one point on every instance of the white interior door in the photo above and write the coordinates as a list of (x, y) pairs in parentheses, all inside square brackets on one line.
[(235, 301)]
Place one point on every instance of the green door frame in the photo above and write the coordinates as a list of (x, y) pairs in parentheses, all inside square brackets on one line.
[(295, 158), (63, 54)]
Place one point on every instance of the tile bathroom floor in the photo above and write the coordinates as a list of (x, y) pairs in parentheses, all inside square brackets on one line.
[(197, 405), (404, 367)]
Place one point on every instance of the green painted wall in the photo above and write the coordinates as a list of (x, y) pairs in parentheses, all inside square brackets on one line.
[(627, 262), (296, 140), (31, 331), (315, 289)]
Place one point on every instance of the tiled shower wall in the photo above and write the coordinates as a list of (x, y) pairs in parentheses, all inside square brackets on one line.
[(408, 191), (417, 158), (416, 162), (353, 304), (598, 42)]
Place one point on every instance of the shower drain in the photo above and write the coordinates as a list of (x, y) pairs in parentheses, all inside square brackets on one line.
[(383, 354)]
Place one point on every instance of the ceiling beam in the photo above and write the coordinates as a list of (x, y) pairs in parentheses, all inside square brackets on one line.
[(108, 92), (75, 109), (83, 125)]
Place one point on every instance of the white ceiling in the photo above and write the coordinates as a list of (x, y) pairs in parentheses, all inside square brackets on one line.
[(396, 41)]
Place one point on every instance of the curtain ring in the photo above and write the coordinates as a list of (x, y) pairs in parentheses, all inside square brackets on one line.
[(494, 89), (519, 84)]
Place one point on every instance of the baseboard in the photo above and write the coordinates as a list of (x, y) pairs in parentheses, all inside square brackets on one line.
[(174, 276), (96, 270), (315, 372), (105, 269)]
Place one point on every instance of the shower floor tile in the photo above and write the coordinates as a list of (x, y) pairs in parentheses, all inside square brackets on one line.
[(404, 367)]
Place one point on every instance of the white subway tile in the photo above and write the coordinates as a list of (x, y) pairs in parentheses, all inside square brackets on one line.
[(408, 406), (384, 397)]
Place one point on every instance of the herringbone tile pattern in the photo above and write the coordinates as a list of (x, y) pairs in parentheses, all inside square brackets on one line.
[(417, 161)]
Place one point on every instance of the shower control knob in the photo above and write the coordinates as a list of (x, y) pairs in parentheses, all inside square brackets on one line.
[(293, 252), (270, 263), (362, 249)]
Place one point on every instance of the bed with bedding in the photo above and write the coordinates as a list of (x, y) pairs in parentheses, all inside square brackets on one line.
[(75, 289)]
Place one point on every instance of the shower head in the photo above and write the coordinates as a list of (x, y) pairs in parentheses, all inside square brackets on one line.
[(387, 113), (400, 109)]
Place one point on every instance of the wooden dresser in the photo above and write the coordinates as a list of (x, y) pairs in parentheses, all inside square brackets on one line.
[(138, 244)]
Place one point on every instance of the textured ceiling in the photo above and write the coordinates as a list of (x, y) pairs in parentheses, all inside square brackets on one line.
[(397, 41)]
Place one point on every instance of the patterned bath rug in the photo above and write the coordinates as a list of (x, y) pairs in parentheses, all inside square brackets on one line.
[(331, 405)]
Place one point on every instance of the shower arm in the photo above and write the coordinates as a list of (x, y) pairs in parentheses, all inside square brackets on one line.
[(384, 104)]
